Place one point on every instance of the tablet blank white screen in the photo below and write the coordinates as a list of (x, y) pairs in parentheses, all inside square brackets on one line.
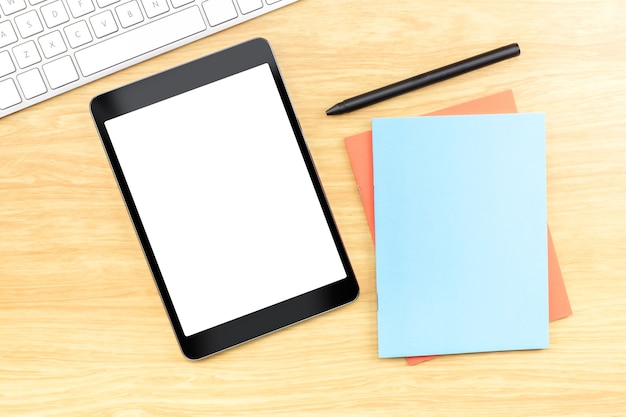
[(225, 199)]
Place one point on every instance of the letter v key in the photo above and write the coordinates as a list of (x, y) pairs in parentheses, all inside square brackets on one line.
[(103, 24)]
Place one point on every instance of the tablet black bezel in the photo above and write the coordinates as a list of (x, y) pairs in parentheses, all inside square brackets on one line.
[(176, 81)]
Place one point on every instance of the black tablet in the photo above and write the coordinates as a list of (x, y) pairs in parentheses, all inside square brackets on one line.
[(225, 199)]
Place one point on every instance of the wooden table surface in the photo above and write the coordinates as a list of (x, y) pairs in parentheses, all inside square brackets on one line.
[(82, 328)]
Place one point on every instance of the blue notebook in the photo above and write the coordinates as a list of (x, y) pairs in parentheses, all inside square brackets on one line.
[(461, 244)]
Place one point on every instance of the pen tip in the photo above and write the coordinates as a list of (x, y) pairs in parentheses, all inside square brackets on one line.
[(336, 109)]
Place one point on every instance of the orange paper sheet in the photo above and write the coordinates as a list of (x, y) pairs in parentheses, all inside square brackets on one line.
[(359, 149)]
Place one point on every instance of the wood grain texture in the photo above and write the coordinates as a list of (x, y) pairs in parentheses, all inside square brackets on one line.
[(82, 329)]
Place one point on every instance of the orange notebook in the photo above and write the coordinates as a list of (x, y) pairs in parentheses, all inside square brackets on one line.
[(359, 149)]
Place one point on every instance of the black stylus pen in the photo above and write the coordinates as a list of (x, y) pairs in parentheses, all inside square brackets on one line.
[(428, 78)]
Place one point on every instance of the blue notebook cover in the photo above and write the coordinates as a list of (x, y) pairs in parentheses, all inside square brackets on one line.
[(461, 245)]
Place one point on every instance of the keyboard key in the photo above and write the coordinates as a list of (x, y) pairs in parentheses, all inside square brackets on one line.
[(272, 1), (7, 34), (12, 6), (54, 14), (179, 3), (129, 14), (52, 44), (103, 24), (32, 84), (219, 11), (155, 7), (78, 34), (9, 96), (79, 8), (140, 41), (105, 3), (35, 2), (247, 6), (60, 72), (28, 24), (26, 54), (6, 64)]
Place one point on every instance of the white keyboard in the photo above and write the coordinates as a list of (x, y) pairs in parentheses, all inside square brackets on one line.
[(48, 47)]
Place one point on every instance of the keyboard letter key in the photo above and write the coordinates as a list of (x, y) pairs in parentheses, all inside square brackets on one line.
[(103, 24), (104, 3), (28, 24), (12, 6), (219, 11), (26, 54), (52, 44), (7, 34), (129, 14), (54, 14), (80, 7), (180, 3), (60, 72), (78, 34), (247, 6), (155, 7)]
